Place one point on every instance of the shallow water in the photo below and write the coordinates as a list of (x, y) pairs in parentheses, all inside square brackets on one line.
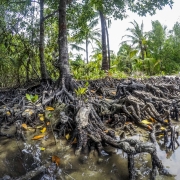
[(112, 166)]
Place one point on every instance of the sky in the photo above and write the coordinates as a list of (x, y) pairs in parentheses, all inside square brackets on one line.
[(167, 17)]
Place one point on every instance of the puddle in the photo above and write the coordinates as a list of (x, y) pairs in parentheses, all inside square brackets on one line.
[(108, 167)]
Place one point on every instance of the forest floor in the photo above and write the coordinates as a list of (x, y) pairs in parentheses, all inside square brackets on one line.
[(27, 149)]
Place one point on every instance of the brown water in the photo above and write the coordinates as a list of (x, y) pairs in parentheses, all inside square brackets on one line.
[(109, 167)]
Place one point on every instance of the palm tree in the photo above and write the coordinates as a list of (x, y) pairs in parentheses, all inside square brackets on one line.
[(87, 35), (137, 37)]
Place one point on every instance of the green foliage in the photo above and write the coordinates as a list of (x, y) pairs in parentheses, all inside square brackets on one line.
[(32, 98), (81, 91)]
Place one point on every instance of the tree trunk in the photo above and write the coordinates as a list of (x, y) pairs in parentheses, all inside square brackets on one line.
[(27, 69), (87, 54), (105, 64), (44, 74), (63, 63), (142, 50), (108, 45)]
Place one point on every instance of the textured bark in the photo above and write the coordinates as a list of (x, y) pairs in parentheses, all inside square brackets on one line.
[(63, 63), (108, 45), (142, 50), (44, 74), (105, 64), (87, 53)]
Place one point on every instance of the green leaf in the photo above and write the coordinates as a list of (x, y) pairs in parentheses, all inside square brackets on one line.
[(28, 97), (35, 98)]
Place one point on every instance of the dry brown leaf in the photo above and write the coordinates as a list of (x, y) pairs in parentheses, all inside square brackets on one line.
[(56, 159), (74, 141), (93, 91), (149, 127), (24, 126), (113, 92), (152, 119), (48, 108), (38, 137)]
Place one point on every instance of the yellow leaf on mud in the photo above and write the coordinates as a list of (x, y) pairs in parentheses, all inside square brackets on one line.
[(41, 118), (40, 115), (160, 136), (8, 113), (48, 123), (24, 126), (38, 137), (67, 136), (43, 130), (166, 120), (56, 159), (42, 148), (146, 122), (39, 127), (162, 128), (48, 108)]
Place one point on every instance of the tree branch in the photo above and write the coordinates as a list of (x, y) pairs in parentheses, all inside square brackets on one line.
[(50, 15)]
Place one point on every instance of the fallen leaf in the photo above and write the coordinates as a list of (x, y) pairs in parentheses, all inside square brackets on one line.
[(162, 128), (42, 148), (160, 136), (152, 119), (38, 127), (67, 136), (166, 121), (48, 108), (8, 113), (146, 122), (56, 159), (24, 126), (74, 141), (149, 127), (38, 137), (43, 130), (93, 91), (41, 118), (48, 123), (106, 131), (28, 112), (113, 92)]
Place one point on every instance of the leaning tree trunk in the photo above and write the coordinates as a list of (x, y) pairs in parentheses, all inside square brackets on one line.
[(63, 63), (105, 64), (44, 74)]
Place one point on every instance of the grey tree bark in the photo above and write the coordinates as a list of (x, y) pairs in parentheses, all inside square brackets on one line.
[(105, 63), (44, 74)]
